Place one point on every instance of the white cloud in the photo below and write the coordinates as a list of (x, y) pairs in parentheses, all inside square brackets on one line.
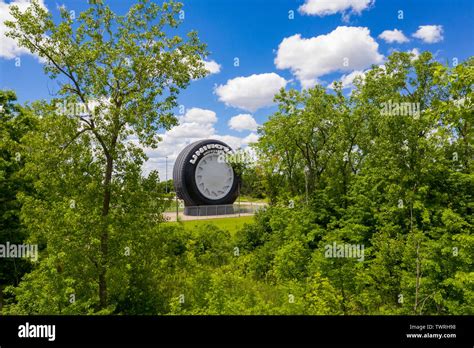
[(347, 80), (212, 66), (8, 47), (173, 141), (194, 125), (344, 49), (429, 33), (394, 35), (329, 7), (243, 122), (191, 130), (201, 116), (234, 142), (251, 138), (252, 92), (416, 52)]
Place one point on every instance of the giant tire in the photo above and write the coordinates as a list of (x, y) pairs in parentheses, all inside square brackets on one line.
[(184, 174)]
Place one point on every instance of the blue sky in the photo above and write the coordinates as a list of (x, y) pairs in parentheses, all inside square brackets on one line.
[(337, 40)]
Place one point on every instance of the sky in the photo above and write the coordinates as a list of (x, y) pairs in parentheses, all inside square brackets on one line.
[(259, 46)]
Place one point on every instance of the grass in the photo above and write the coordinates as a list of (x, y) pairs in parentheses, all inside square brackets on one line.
[(172, 209), (251, 199), (232, 224)]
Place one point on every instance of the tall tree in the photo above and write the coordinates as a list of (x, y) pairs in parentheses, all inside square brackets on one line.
[(119, 77)]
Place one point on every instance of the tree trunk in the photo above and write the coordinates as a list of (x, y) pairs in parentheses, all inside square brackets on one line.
[(104, 238)]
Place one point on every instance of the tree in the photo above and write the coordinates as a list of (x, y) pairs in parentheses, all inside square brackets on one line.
[(394, 180), (119, 77), (15, 122)]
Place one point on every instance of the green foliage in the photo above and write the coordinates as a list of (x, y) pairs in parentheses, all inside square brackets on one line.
[(338, 171), (15, 122), (119, 78), (399, 184)]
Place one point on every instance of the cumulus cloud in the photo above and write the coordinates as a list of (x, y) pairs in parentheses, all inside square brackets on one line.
[(191, 130), (347, 80), (416, 52), (234, 142), (252, 92), (344, 49), (200, 116), (196, 124), (394, 35), (212, 66), (243, 122), (9, 49), (429, 33), (250, 139), (329, 7)]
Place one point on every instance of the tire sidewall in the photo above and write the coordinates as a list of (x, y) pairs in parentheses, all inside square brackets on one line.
[(188, 169)]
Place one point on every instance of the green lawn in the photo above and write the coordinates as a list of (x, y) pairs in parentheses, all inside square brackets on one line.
[(251, 199), (230, 224)]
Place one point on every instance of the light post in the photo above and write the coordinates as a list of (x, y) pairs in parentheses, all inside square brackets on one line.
[(166, 175)]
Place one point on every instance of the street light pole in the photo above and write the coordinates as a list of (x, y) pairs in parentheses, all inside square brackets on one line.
[(166, 165)]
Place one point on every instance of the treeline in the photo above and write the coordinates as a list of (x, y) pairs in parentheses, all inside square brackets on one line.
[(371, 210), (397, 181)]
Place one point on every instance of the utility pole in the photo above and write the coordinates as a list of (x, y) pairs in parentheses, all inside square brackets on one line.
[(166, 171)]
